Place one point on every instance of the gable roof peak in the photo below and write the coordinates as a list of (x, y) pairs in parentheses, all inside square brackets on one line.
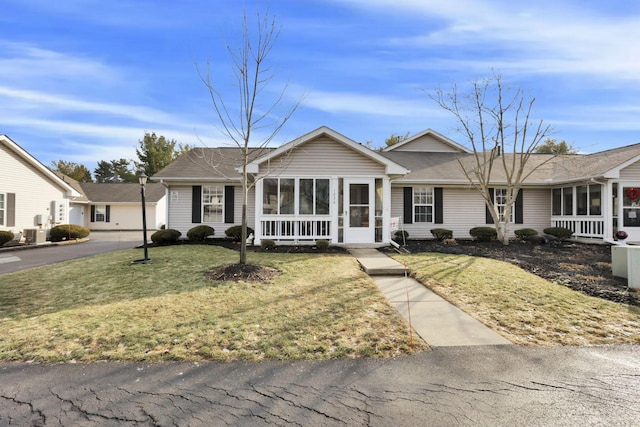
[(430, 132), (391, 167)]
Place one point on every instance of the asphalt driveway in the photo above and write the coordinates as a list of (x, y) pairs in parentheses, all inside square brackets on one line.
[(37, 255), (449, 386)]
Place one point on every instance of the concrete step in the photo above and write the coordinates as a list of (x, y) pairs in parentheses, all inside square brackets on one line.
[(375, 263)]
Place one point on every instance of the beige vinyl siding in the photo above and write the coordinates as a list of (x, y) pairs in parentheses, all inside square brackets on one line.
[(631, 172), (126, 217), (464, 208), (322, 157), (427, 143), (34, 191), (179, 210)]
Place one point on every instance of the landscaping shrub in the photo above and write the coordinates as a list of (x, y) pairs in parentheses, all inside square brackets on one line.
[(5, 236), (322, 245), (400, 236), (267, 244), (235, 232), (483, 234), (166, 237), (68, 231), (199, 233), (525, 233), (442, 234), (559, 232)]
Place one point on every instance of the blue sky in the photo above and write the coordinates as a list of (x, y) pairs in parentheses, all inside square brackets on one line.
[(82, 80)]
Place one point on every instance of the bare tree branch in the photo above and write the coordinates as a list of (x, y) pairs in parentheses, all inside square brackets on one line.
[(239, 118), (497, 123)]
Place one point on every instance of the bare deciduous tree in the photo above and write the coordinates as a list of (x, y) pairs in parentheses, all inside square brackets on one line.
[(243, 118), (498, 125)]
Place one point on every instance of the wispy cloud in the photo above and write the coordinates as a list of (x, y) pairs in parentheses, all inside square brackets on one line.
[(357, 103), (541, 37)]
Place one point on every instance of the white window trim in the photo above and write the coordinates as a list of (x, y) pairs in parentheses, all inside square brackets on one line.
[(498, 206), (218, 194), (428, 193), (103, 213)]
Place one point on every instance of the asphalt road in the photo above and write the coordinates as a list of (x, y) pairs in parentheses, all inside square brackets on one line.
[(99, 242), (454, 386)]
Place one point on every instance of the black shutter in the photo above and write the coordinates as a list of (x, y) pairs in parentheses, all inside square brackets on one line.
[(107, 215), (408, 205), (229, 202), (196, 204), (438, 217), (11, 209), (519, 208), (93, 213), (489, 219)]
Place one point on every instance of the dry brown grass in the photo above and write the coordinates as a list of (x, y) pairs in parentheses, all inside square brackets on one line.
[(103, 308), (524, 308)]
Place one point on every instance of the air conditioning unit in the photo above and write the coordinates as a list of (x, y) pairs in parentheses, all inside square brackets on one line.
[(35, 236)]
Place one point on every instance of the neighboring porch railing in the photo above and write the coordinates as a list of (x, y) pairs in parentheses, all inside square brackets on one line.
[(296, 229), (581, 227)]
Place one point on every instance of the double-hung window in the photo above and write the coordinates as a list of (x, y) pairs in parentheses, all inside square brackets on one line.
[(101, 213), (212, 203), (422, 204), (500, 202)]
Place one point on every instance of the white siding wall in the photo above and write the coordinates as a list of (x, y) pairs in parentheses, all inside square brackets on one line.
[(631, 172), (464, 208), (126, 217), (34, 191), (179, 209), (427, 143), (160, 217), (323, 157)]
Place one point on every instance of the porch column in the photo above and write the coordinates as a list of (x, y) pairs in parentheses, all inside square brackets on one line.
[(386, 210), (257, 229), (607, 209)]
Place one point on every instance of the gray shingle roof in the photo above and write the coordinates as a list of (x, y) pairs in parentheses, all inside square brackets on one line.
[(205, 164), (445, 167), (121, 192), (208, 163)]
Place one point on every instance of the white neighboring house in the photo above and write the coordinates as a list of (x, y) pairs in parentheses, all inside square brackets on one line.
[(32, 197), (118, 206)]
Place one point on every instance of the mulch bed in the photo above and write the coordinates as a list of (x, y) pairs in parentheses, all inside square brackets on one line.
[(243, 272), (580, 266)]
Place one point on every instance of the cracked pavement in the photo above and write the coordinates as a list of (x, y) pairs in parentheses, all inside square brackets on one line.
[(465, 386)]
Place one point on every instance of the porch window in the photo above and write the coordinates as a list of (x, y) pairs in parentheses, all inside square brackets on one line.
[(595, 199), (2, 209), (314, 197), (556, 201), (422, 204), (278, 196), (588, 199), (567, 199), (500, 202), (212, 203)]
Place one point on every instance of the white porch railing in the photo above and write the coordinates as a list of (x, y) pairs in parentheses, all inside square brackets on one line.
[(295, 228), (581, 227)]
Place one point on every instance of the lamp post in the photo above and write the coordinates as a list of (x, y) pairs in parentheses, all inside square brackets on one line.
[(142, 179)]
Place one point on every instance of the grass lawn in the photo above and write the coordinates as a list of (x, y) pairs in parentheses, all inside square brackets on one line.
[(103, 308), (524, 308)]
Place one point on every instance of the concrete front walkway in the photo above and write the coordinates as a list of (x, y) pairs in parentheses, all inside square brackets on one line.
[(438, 322)]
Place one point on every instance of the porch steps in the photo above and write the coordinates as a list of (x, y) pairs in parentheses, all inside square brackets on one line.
[(375, 263)]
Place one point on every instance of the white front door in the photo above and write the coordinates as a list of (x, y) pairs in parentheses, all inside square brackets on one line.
[(359, 215)]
